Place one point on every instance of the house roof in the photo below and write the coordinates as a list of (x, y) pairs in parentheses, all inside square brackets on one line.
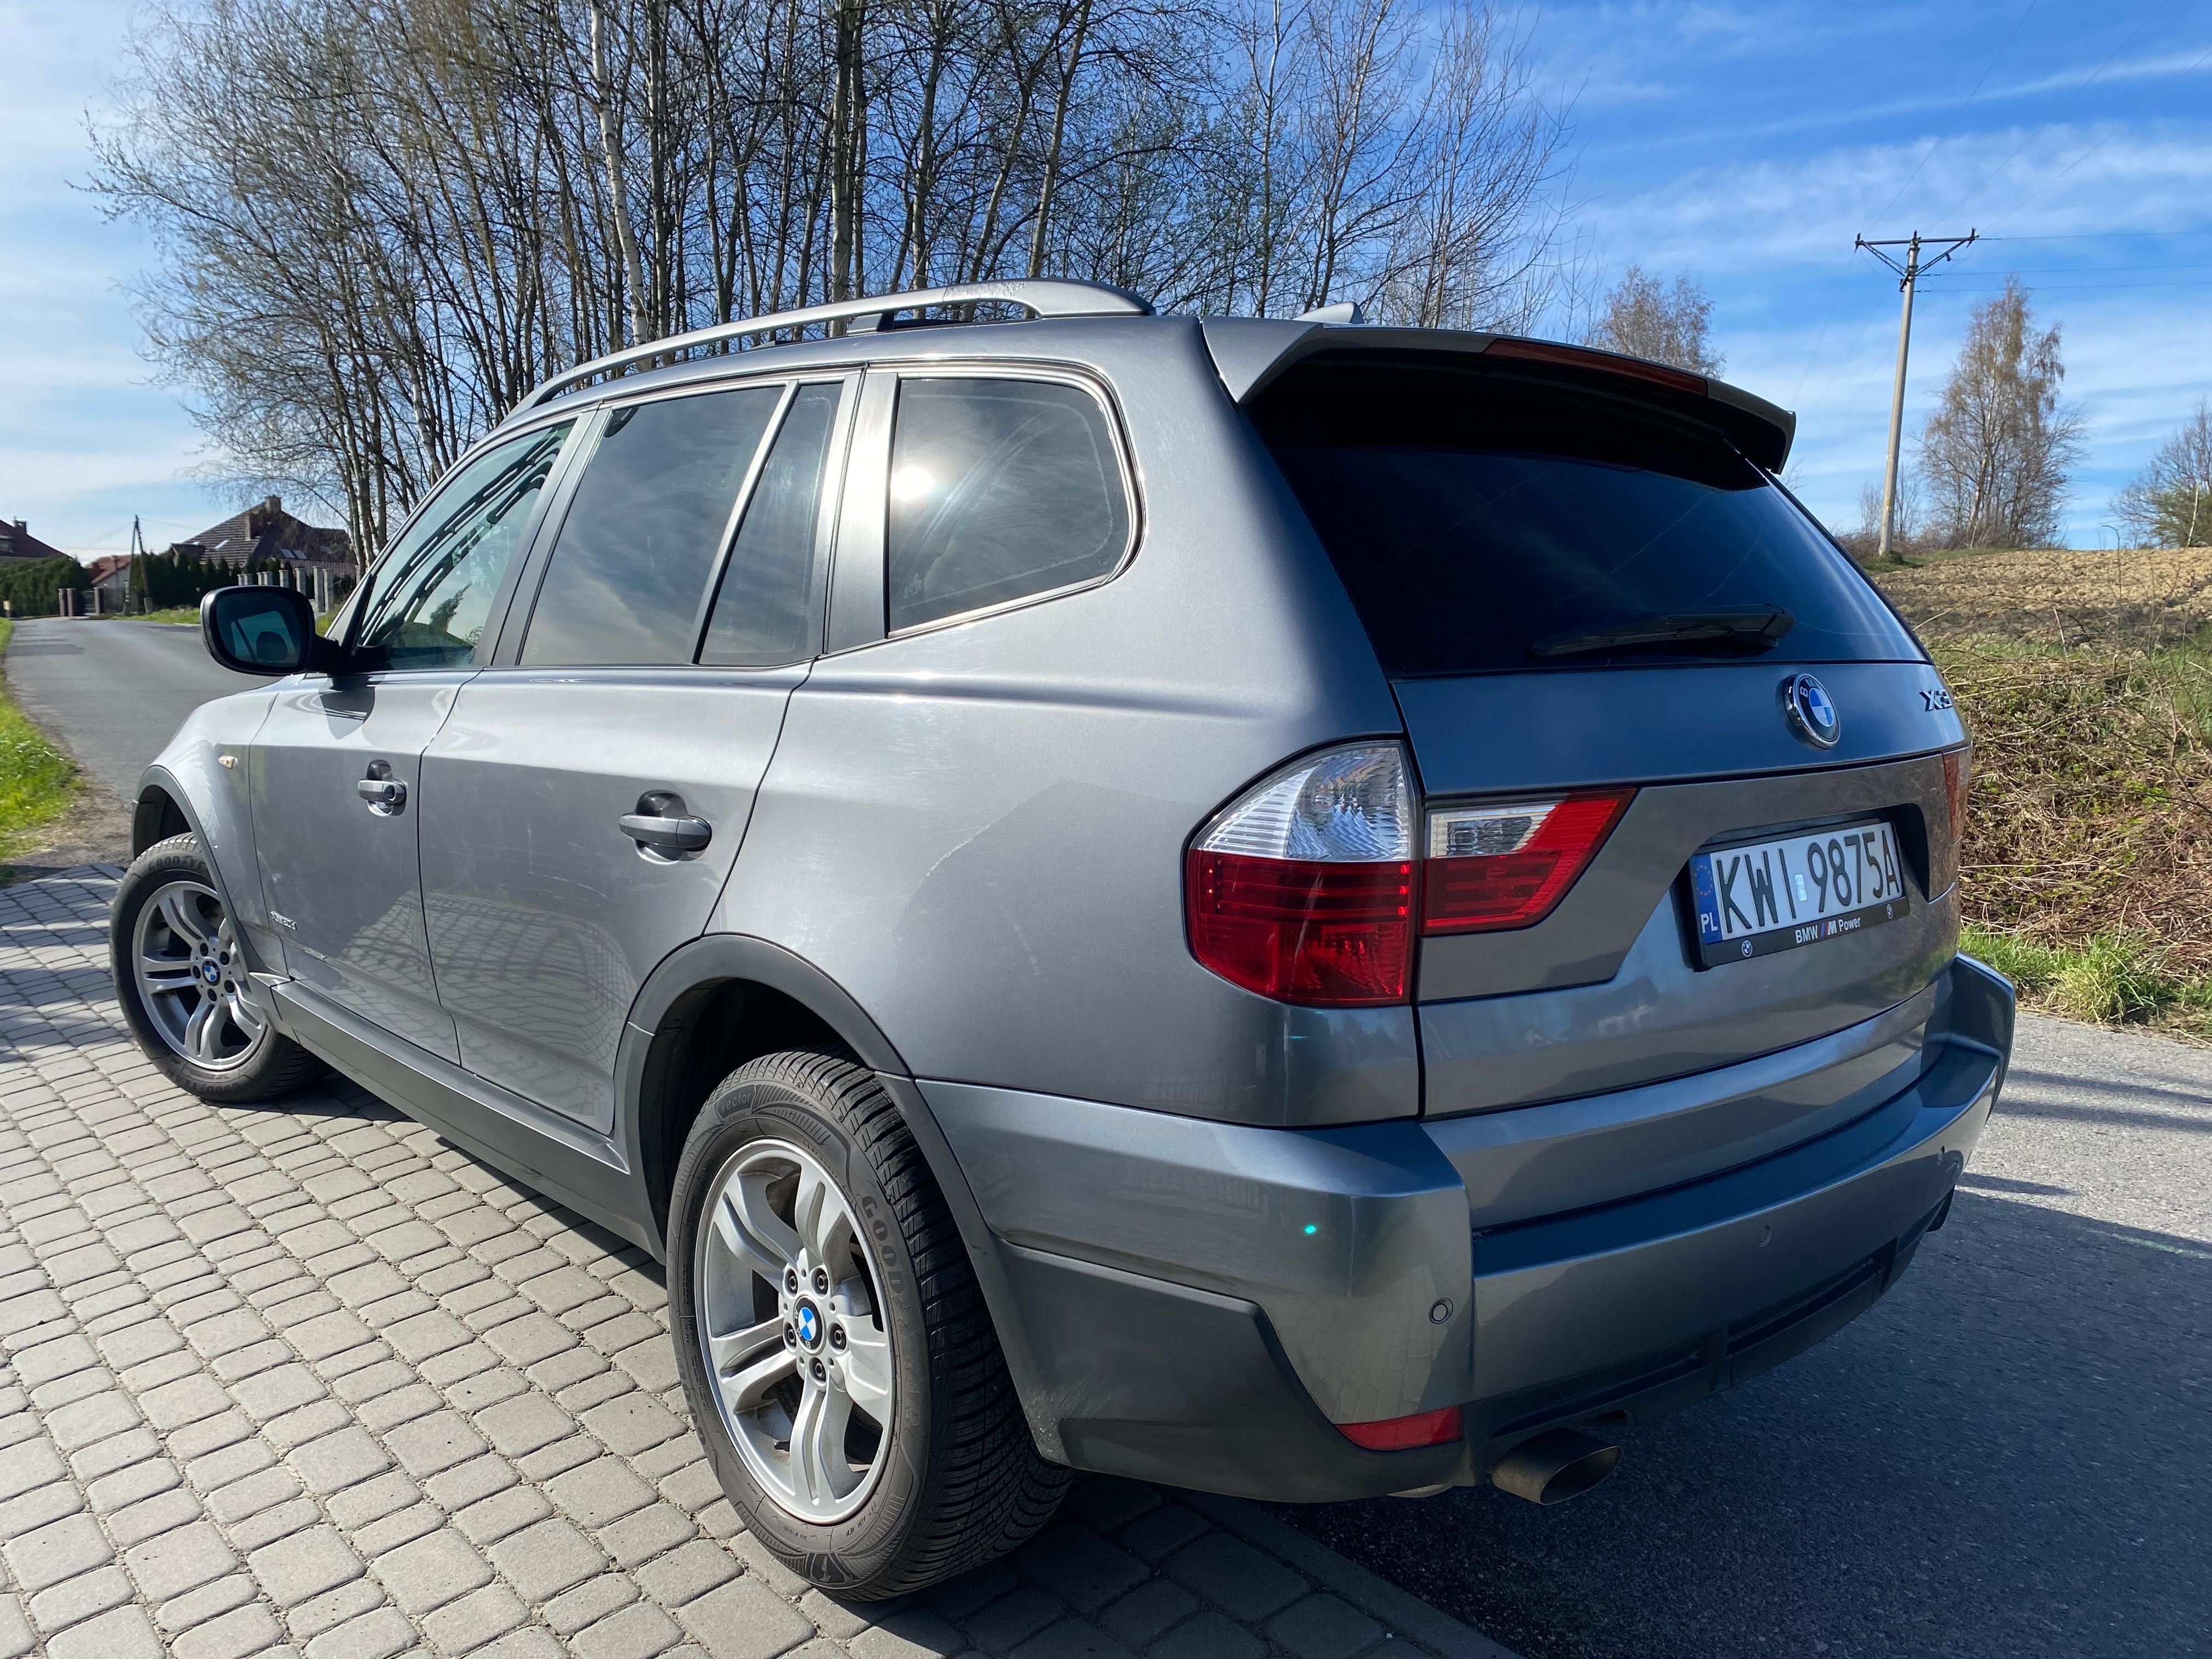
[(266, 531), (17, 542)]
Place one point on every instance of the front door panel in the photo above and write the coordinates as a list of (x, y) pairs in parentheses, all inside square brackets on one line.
[(339, 864), (544, 915)]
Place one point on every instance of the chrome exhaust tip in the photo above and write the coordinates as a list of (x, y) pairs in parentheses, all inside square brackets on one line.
[(1555, 1465)]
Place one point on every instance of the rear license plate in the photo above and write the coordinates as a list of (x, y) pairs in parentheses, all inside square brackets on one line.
[(1771, 896)]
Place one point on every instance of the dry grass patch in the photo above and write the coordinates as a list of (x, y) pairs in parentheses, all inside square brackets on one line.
[(2139, 599), (2086, 678)]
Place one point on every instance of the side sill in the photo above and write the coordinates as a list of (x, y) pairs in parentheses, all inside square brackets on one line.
[(550, 1153)]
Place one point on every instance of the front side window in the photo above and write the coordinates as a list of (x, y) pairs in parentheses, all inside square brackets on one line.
[(434, 591), (639, 541), (1000, 488)]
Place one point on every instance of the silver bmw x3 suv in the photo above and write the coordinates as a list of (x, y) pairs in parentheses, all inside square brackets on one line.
[(1285, 907)]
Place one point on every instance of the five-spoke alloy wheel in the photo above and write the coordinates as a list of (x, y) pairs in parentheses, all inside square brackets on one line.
[(792, 1331), (191, 977)]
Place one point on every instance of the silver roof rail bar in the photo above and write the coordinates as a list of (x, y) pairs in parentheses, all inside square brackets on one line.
[(1040, 297)]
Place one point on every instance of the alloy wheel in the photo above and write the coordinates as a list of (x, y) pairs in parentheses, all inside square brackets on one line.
[(191, 978), (798, 1351)]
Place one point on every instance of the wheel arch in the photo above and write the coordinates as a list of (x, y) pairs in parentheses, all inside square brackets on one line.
[(166, 808), (158, 815), (710, 1006)]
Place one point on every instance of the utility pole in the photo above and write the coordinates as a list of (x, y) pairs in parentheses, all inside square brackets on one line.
[(1908, 278)]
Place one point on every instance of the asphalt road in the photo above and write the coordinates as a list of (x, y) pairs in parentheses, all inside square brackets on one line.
[(114, 692), (2010, 1455)]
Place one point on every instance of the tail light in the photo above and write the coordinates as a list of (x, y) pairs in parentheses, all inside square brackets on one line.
[(1306, 889), (1958, 773), (1493, 867), (1303, 890)]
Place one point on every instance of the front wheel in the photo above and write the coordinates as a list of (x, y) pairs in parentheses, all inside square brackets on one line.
[(181, 980), (839, 1361)]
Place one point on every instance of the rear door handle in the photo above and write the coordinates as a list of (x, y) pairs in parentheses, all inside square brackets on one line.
[(386, 795), (667, 835)]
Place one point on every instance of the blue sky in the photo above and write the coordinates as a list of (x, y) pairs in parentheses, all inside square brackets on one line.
[(1745, 144)]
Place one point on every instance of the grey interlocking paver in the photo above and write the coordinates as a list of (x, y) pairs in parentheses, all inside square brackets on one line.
[(589, 1602), (307, 1379), (305, 1565), (46, 1555), (122, 1633), (79, 1597)]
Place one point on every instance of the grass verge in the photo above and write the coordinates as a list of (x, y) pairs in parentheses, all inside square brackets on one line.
[(2086, 872), (2108, 979), (36, 779)]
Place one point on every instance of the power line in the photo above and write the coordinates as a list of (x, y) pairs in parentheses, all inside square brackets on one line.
[(1909, 272), (1928, 154)]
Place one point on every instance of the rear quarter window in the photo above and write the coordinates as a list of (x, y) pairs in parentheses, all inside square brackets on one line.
[(999, 490), (1481, 523)]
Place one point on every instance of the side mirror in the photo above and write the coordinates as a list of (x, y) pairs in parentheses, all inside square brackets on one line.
[(263, 630)]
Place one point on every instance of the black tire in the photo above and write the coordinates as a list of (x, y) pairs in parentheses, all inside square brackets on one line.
[(961, 1480), (278, 1066)]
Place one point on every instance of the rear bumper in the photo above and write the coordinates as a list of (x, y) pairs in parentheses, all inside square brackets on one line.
[(1199, 1303)]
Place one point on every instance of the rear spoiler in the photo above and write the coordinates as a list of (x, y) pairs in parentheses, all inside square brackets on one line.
[(1250, 353)]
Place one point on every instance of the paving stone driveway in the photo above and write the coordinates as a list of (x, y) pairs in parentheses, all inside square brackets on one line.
[(308, 1379)]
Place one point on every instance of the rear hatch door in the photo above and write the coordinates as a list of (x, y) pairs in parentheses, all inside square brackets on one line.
[(1576, 582)]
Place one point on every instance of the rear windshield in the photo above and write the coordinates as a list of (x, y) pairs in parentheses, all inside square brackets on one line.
[(1481, 522)]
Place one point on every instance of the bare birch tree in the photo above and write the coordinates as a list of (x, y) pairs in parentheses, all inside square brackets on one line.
[(1995, 453), (2169, 502), (1646, 318)]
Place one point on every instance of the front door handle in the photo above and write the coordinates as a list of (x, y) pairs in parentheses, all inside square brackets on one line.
[(386, 795)]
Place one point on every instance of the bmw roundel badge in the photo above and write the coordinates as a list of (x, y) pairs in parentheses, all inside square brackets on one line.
[(809, 1325), (1812, 712)]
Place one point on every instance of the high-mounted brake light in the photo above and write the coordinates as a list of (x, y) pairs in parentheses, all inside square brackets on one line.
[(1604, 362), (1303, 890), (1494, 867)]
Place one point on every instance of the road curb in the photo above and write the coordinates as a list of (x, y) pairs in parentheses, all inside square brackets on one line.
[(1404, 1615)]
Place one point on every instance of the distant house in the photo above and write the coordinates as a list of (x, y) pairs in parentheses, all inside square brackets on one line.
[(111, 580), (316, 561), (16, 542)]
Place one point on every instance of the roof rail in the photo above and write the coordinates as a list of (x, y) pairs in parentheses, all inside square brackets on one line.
[(1040, 297)]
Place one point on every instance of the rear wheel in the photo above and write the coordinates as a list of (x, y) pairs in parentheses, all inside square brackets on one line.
[(181, 979), (840, 1363)]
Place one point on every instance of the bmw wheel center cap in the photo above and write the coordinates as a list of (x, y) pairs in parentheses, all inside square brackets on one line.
[(1811, 711), (810, 1324)]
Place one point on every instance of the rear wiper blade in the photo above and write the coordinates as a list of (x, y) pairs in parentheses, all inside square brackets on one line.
[(1747, 631)]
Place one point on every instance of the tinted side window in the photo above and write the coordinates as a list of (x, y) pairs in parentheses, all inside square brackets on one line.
[(999, 489), (760, 614), (434, 590), (641, 536)]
